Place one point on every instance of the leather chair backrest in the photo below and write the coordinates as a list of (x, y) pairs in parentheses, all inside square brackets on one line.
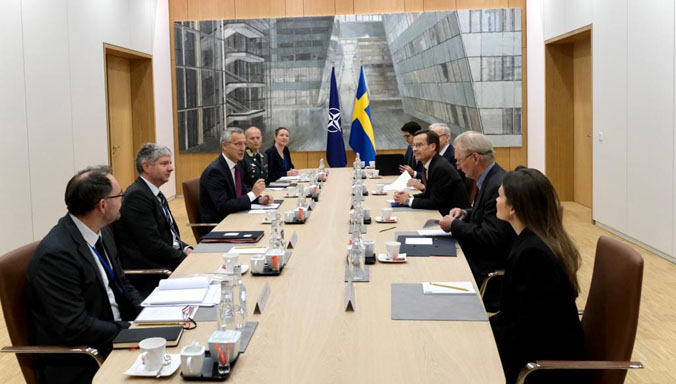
[(13, 267), (388, 164), (611, 313), (191, 197)]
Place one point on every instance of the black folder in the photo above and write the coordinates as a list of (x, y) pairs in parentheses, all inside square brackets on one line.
[(441, 246), (128, 338), (232, 237)]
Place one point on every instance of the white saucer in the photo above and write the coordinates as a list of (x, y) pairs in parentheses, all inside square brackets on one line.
[(138, 369), (221, 269), (378, 194), (383, 258), (379, 219), (290, 196)]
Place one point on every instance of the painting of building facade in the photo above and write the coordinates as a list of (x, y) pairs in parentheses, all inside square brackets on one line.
[(462, 68)]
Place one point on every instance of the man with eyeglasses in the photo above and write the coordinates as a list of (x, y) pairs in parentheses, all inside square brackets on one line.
[(76, 292), (147, 235), (485, 240), (222, 188), (444, 189)]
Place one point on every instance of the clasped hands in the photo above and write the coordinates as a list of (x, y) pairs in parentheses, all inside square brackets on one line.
[(455, 213)]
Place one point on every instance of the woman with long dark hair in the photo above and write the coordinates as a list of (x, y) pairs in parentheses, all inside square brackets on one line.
[(538, 318), (279, 157)]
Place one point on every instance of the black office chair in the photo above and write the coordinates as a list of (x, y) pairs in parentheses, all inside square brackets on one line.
[(388, 164)]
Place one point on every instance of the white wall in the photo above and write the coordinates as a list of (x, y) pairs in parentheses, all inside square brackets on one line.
[(52, 104), (535, 64), (633, 84)]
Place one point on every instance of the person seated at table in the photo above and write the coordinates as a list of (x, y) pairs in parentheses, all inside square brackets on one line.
[(222, 190), (147, 235), (411, 165), (254, 164), (279, 157), (76, 291), (444, 189), (538, 319), (447, 151), (484, 239)]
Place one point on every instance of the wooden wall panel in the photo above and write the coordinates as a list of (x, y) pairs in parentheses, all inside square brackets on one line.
[(481, 4), (294, 8), (379, 6), (319, 7), (250, 9), (344, 7), (178, 10), (414, 5), (438, 5)]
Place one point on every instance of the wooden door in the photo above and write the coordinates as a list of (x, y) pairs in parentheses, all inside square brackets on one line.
[(121, 141), (582, 122)]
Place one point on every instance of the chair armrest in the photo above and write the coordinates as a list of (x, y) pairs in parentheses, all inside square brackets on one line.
[(49, 349), (575, 364), (201, 224), (484, 284), (156, 271)]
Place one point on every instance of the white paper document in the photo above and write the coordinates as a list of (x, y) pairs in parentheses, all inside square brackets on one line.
[(258, 211), (165, 314), (433, 232), (399, 184), (419, 241), (267, 207), (183, 291), (448, 287), (289, 178)]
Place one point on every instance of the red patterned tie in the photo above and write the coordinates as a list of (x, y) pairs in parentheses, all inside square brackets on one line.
[(238, 181)]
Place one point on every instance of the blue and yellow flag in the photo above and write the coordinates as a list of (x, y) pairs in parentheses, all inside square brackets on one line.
[(362, 139)]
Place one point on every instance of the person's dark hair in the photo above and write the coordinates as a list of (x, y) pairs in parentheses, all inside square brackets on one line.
[(432, 138), (411, 127), (87, 188), (536, 204), (279, 129)]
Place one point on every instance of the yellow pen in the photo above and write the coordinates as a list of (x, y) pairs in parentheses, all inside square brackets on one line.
[(450, 286), (160, 323)]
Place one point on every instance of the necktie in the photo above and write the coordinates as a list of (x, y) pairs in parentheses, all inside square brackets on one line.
[(424, 177), (238, 181), (107, 266), (170, 219)]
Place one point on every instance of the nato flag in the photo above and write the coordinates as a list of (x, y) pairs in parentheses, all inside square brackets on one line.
[(335, 146)]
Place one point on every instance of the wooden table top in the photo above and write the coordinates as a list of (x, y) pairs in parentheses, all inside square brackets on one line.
[(305, 335)]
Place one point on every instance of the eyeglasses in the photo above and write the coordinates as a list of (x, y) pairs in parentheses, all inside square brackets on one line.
[(114, 196), (418, 145), (465, 158)]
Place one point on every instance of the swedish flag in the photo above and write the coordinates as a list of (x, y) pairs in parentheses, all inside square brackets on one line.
[(362, 139)]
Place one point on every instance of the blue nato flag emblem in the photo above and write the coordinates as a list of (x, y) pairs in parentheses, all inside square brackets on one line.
[(362, 139), (335, 146)]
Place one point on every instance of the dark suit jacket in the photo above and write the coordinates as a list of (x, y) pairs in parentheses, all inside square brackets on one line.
[(68, 304), (485, 239), (143, 233), (445, 189), (276, 168), (218, 198), (538, 318), (410, 160)]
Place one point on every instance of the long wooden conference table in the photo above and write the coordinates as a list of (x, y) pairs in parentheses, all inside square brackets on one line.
[(304, 335)]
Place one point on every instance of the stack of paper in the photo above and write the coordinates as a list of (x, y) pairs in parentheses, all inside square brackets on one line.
[(448, 287), (184, 291), (172, 314), (399, 184)]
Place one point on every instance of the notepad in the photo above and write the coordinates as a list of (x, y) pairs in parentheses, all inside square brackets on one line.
[(128, 338), (433, 232), (189, 290)]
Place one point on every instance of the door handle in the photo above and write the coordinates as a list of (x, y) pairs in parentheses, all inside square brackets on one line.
[(115, 148)]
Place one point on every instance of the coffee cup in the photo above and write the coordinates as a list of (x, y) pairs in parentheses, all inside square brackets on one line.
[(386, 213), (152, 353), (369, 247), (274, 258), (192, 359), (392, 249), (257, 263), (289, 216), (372, 164), (230, 260), (380, 188)]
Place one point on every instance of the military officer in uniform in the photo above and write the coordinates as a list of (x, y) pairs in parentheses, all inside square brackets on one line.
[(253, 164)]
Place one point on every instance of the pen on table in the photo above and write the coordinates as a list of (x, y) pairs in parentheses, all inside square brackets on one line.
[(387, 229), (450, 286), (245, 247), (160, 323)]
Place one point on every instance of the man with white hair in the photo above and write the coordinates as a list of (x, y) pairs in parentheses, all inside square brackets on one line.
[(485, 240), (446, 149)]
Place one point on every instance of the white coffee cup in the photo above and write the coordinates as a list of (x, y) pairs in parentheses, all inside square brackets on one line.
[(289, 216), (392, 249), (192, 359), (387, 213), (369, 247), (376, 172), (152, 352), (372, 164), (380, 188), (257, 263), (367, 213), (230, 259)]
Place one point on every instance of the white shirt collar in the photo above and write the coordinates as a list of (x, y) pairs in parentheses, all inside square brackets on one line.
[(444, 149), (153, 187), (90, 236), (231, 164), (427, 164)]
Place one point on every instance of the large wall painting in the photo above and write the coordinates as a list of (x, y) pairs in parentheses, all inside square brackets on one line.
[(462, 68)]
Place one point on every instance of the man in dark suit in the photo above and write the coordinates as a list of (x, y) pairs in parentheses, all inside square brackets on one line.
[(485, 240), (147, 234), (222, 190), (446, 151), (411, 165), (444, 188), (77, 293)]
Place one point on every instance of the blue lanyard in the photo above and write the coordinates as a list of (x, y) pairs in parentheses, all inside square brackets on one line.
[(107, 267)]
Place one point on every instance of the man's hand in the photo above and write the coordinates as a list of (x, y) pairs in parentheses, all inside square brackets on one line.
[(292, 172), (265, 200), (408, 169), (457, 213), (188, 250), (401, 197), (445, 223), (415, 183), (258, 187)]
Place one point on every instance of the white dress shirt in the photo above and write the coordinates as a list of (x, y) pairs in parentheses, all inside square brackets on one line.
[(426, 167), (231, 166)]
